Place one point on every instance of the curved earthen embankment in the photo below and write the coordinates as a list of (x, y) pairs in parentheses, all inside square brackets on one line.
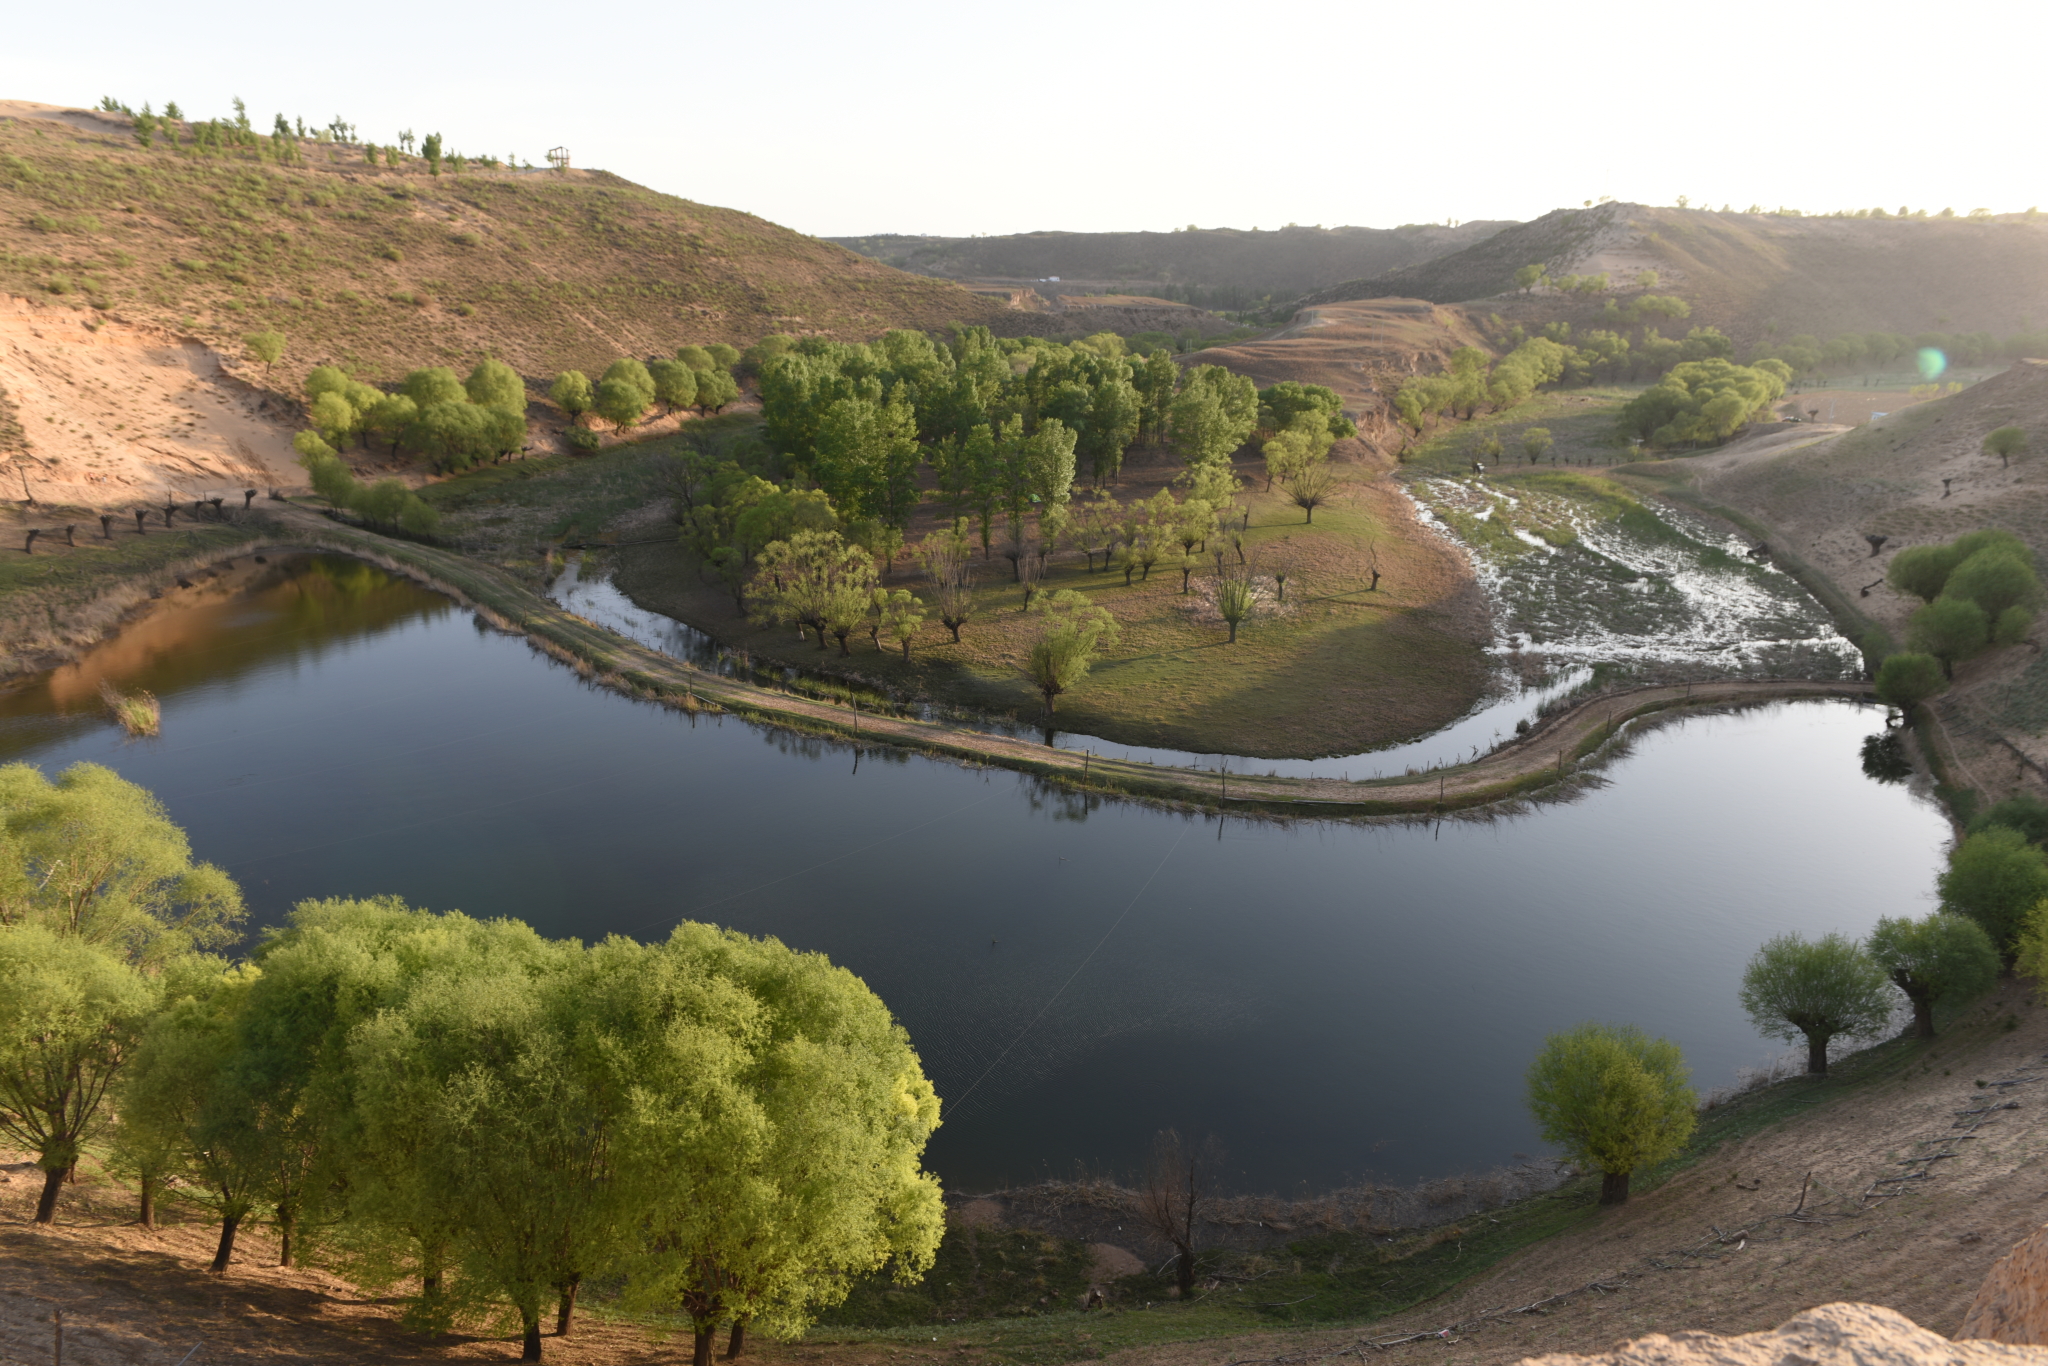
[(1551, 755)]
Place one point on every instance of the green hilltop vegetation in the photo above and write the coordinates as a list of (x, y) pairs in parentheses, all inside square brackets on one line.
[(383, 258)]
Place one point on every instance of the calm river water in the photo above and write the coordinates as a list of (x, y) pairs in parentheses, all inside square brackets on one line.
[(1334, 1002)]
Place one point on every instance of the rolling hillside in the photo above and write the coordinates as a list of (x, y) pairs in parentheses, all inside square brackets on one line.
[(385, 269), (1214, 267), (1757, 276)]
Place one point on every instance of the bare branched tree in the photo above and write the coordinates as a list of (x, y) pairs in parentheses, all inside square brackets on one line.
[(1179, 1187)]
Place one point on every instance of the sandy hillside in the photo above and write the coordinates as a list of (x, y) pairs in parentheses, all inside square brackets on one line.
[(1364, 350), (117, 414)]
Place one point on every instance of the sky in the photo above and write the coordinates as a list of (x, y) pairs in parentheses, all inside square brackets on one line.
[(962, 117)]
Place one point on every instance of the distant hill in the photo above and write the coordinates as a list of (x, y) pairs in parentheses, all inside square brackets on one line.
[(1756, 276), (387, 269), (1211, 267)]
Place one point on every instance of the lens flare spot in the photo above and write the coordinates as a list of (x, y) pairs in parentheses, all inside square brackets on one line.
[(1933, 364)]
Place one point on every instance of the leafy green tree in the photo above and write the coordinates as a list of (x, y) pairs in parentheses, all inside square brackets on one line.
[(1156, 381), (434, 385), (1941, 960), (1994, 877), (1214, 414), (516, 1120), (185, 1088), (715, 389), (774, 1168), (1997, 580), (1047, 457), (1074, 631), (1907, 679), (1535, 443), (389, 418), (333, 418), (93, 856), (2022, 811), (1820, 989), (675, 384), (621, 402), (867, 458), (812, 580), (571, 393), (69, 1011), (494, 384), (1528, 277), (431, 150), (324, 379), (696, 358), (1115, 412), (1923, 570), (724, 357), (1950, 629), (2005, 443), (1614, 1099), (267, 347)]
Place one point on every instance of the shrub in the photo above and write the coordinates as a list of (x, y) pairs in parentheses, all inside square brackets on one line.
[(390, 253), (583, 439), (2025, 813)]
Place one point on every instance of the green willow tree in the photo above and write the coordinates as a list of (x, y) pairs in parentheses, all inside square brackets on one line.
[(69, 1015), (94, 856), (1075, 630), (1614, 1099), (1940, 960), (1816, 989)]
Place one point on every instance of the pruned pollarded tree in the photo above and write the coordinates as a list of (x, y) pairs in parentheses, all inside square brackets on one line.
[(1180, 1184), (899, 614), (814, 579), (947, 563), (1074, 630), (1819, 989), (1235, 595), (1311, 487), (1614, 1099)]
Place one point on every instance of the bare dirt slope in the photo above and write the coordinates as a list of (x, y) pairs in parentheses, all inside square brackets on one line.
[(1915, 476), (1717, 1248), (1363, 350), (1756, 276), (114, 413)]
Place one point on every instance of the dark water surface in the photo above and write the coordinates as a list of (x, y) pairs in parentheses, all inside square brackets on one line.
[(1333, 1001)]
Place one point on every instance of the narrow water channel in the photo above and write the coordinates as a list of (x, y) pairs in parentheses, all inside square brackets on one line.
[(1332, 1001)]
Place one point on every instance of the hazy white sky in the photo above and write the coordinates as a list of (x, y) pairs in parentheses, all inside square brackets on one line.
[(963, 117)]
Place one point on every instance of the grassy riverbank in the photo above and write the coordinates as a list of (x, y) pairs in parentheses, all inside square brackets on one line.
[(1336, 667)]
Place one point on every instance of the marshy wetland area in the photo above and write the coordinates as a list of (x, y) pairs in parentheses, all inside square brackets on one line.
[(588, 777)]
